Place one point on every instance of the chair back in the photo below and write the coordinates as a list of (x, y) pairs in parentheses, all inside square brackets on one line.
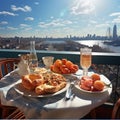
[(7, 65), (116, 110)]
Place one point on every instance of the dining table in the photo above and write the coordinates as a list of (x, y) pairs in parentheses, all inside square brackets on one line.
[(53, 106)]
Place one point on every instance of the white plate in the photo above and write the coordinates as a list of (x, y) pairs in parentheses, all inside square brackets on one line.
[(103, 78), (23, 91), (77, 86)]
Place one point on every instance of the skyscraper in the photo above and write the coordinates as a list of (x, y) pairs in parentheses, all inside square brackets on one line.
[(108, 33), (114, 32)]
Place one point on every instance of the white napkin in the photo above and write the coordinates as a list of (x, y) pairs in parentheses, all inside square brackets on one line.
[(23, 68)]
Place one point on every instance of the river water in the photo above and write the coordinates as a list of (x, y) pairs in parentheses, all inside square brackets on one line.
[(101, 44), (91, 43)]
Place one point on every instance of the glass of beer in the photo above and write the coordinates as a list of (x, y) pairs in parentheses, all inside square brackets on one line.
[(85, 59)]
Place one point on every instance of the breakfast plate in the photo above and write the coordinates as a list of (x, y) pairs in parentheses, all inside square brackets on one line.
[(101, 84), (23, 91), (86, 91)]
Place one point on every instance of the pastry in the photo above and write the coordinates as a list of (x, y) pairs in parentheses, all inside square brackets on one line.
[(46, 83), (30, 81)]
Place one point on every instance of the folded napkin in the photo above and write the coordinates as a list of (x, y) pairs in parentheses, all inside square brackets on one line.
[(23, 68)]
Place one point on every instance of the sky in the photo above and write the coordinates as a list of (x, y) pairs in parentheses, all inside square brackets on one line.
[(58, 18)]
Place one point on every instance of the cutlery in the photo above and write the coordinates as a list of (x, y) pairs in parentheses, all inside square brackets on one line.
[(69, 93), (72, 96)]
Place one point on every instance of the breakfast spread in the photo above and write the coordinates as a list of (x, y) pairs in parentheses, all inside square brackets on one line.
[(44, 83), (64, 66), (92, 83)]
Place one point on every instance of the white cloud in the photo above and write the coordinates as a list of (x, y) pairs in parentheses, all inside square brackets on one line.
[(55, 23), (7, 13), (28, 28), (24, 25), (29, 18), (12, 28), (51, 17), (3, 23), (116, 20), (102, 25), (26, 8), (93, 22), (115, 14), (36, 3), (83, 7)]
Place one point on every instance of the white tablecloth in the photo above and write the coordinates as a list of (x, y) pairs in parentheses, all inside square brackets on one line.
[(54, 106)]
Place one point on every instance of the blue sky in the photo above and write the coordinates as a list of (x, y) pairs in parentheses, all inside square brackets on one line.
[(58, 18)]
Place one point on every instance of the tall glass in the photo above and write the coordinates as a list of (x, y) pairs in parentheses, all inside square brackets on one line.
[(33, 60), (85, 59)]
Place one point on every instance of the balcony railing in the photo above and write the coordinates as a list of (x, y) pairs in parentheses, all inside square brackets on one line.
[(104, 63)]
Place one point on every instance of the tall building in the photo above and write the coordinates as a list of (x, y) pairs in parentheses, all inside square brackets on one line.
[(108, 34), (114, 32)]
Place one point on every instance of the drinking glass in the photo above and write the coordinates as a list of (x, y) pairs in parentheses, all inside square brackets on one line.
[(85, 59), (48, 61), (33, 59)]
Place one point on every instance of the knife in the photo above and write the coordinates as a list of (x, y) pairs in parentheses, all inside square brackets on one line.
[(68, 92)]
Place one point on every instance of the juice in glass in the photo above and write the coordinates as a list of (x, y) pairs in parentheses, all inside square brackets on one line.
[(85, 59)]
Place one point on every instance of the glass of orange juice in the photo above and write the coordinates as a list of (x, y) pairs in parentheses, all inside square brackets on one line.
[(85, 59)]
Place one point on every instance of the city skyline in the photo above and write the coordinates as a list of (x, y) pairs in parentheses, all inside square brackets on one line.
[(55, 18)]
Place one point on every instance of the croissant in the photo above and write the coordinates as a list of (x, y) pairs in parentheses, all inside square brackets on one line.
[(45, 89), (60, 86), (46, 83), (30, 81)]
